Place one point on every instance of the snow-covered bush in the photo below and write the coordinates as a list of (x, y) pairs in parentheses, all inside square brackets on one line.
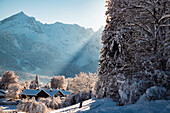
[(53, 103), (79, 97), (8, 78), (57, 102), (14, 89), (153, 93), (130, 90), (58, 82), (167, 95), (47, 86), (32, 106), (160, 78), (0, 109), (65, 102), (82, 82), (74, 99), (26, 84)]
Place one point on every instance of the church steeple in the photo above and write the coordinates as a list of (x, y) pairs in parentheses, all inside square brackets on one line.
[(37, 80)]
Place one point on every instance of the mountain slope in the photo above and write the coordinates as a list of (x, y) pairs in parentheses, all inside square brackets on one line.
[(29, 46), (86, 59)]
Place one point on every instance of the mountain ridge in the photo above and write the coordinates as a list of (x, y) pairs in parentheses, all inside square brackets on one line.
[(29, 46)]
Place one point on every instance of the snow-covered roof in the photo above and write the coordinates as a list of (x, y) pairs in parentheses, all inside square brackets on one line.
[(2, 94), (66, 92), (51, 92), (2, 90), (30, 92)]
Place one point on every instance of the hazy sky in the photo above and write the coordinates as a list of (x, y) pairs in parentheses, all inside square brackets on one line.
[(86, 13)]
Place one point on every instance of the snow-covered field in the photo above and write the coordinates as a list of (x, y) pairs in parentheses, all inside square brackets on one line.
[(9, 107), (108, 106)]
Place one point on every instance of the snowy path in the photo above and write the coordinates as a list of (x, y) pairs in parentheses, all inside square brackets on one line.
[(75, 108), (108, 106)]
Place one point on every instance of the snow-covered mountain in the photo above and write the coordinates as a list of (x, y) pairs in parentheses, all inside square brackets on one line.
[(86, 59), (27, 45)]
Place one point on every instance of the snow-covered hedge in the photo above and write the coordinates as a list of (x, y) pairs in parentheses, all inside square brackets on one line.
[(153, 93), (76, 98), (152, 86), (32, 106), (53, 103)]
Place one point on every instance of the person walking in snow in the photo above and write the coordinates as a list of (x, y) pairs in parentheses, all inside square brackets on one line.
[(81, 104)]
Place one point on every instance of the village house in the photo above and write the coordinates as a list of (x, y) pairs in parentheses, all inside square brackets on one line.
[(29, 93), (66, 93), (54, 92), (44, 93)]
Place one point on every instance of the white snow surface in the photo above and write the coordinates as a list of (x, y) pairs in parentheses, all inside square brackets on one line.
[(106, 105), (2, 94), (30, 92)]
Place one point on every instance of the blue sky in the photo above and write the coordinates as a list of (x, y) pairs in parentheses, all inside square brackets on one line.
[(86, 13)]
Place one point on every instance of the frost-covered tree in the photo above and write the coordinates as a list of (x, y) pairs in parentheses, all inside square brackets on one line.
[(47, 86), (68, 82), (32, 106), (13, 91), (136, 50), (1, 108), (56, 102), (82, 82), (8, 78), (79, 97), (58, 82), (53, 103), (35, 84), (26, 84), (153, 93)]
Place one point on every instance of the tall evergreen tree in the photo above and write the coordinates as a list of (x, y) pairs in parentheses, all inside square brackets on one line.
[(136, 49)]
